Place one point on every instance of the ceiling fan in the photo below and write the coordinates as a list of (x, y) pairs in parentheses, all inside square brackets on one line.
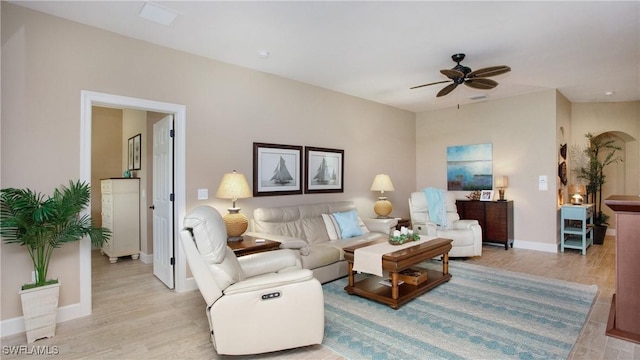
[(461, 74)]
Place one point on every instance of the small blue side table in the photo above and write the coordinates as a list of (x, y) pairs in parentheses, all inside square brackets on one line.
[(576, 227)]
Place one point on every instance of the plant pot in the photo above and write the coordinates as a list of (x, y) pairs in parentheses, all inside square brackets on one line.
[(599, 232), (40, 308)]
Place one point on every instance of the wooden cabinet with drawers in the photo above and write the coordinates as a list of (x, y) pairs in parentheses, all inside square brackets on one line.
[(121, 214), (495, 218)]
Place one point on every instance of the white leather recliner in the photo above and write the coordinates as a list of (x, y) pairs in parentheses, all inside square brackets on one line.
[(256, 303), (466, 234)]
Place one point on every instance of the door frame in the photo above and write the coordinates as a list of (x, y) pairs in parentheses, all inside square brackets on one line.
[(88, 99)]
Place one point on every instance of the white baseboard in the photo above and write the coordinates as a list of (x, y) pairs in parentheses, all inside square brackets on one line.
[(146, 258), (190, 284), (530, 245), (16, 325)]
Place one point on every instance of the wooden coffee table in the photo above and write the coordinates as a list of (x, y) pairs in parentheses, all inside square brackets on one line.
[(395, 262)]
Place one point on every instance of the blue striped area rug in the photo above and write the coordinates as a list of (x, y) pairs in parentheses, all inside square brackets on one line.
[(481, 313)]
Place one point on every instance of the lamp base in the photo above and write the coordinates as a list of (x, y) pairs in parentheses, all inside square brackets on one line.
[(501, 194), (236, 224), (382, 208)]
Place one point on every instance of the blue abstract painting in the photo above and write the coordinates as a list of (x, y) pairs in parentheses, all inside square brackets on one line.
[(470, 167)]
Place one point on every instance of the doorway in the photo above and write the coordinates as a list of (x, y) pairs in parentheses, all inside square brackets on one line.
[(90, 99)]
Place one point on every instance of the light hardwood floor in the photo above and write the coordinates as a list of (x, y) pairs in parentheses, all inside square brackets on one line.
[(137, 317)]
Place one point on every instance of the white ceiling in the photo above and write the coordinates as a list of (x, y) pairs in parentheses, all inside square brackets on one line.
[(377, 50)]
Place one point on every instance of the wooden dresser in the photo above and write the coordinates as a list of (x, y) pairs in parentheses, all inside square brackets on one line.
[(495, 218), (624, 316), (121, 214)]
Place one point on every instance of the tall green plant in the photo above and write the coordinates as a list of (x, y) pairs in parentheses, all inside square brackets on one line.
[(43, 223), (600, 153)]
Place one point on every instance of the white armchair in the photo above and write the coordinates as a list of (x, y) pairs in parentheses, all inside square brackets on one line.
[(466, 234), (256, 303)]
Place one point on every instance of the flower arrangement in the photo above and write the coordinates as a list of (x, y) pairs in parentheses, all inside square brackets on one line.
[(399, 237), (474, 195)]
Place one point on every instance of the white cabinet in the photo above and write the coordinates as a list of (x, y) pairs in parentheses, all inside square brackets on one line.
[(121, 214)]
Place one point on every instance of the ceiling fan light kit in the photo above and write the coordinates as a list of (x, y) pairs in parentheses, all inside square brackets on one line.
[(461, 74)]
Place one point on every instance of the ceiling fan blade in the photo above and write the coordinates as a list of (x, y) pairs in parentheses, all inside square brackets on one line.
[(433, 83), (452, 74), (481, 83), (489, 71), (447, 89)]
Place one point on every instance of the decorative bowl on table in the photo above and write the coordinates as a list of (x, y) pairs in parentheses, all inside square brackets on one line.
[(404, 235)]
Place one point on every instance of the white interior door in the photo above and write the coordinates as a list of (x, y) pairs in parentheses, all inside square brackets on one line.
[(163, 242)]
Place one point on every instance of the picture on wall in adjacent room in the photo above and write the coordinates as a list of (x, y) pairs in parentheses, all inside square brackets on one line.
[(324, 169), (134, 153), (469, 167), (277, 169)]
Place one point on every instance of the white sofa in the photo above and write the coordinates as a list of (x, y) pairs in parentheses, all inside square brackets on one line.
[(466, 234), (302, 227), (257, 303)]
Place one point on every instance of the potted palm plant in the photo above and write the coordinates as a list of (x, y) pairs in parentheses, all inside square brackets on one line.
[(43, 223), (600, 152)]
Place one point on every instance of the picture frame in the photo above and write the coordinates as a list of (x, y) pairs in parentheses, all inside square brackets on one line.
[(470, 167), (130, 154), (277, 169), (324, 170), (137, 152), (486, 195)]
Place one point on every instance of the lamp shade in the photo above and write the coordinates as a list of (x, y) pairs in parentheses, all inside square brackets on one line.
[(234, 186), (502, 181), (382, 183), (577, 189)]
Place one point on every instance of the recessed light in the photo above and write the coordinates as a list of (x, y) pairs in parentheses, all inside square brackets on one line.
[(263, 54), (609, 93), (158, 14)]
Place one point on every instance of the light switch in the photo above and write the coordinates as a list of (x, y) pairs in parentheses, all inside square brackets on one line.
[(203, 194), (542, 183)]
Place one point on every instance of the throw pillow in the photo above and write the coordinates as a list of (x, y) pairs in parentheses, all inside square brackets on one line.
[(349, 223), (333, 230)]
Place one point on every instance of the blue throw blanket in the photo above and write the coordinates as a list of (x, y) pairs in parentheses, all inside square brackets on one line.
[(436, 206)]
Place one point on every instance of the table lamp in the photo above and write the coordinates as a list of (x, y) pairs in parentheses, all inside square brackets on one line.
[(501, 183), (576, 192), (382, 207), (234, 186)]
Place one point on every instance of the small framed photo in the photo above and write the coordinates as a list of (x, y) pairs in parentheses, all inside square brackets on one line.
[(277, 169), (137, 152), (486, 195), (324, 169)]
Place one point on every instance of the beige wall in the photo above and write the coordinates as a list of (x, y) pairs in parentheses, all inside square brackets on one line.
[(134, 122), (106, 152), (522, 130), (47, 61), (622, 121)]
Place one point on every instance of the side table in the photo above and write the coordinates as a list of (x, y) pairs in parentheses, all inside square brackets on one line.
[(248, 245), (576, 227)]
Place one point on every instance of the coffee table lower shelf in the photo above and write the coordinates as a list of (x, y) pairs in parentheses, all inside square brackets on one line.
[(370, 288)]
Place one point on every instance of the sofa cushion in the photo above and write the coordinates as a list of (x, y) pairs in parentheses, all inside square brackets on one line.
[(321, 256)]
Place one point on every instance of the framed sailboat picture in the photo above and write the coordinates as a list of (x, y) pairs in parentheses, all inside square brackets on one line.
[(324, 169), (277, 169)]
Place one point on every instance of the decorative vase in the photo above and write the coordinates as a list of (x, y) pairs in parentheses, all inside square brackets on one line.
[(40, 309)]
